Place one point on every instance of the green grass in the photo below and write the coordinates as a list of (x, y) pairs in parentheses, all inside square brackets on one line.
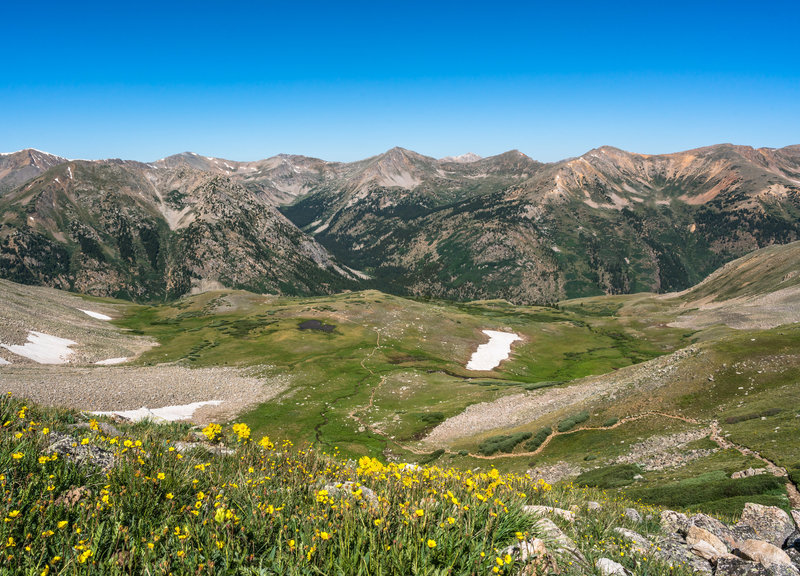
[(419, 366), (609, 476), (716, 492), (265, 509)]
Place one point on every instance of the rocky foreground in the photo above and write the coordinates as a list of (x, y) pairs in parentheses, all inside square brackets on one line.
[(765, 541)]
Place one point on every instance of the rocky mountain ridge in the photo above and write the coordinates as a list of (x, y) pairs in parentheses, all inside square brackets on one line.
[(129, 229), (466, 227)]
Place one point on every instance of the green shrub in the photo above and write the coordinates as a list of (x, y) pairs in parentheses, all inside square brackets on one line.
[(713, 487), (431, 418), (572, 421), (432, 457), (502, 443), (610, 422), (609, 477), (538, 439), (752, 416)]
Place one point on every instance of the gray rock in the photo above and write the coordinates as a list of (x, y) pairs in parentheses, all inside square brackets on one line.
[(608, 567), (770, 523), (561, 542), (734, 566), (593, 506), (549, 511), (749, 472), (632, 515), (673, 550), (718, 529), (108, 429), (70, 448), (794, 554), (674, 522), (641, 544), (704, 550), (350, 489), (218, 449), (796, 516), (762, 552), (705, 544), (526, 549)]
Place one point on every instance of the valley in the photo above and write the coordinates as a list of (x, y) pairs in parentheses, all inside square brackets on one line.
[(651, 390)]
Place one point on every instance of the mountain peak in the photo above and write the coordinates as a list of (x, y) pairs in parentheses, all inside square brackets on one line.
[(461, 159)]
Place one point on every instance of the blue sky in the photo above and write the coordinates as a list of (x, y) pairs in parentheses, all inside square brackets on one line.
[(347, 80)]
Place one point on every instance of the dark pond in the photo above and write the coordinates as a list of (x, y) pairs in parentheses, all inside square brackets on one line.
[(316, 325)]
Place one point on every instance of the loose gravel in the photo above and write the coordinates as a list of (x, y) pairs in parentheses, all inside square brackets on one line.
[(131, 387)]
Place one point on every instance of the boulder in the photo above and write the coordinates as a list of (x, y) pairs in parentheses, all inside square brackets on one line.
[(796, 516), (549, 511), (72, 450), (734, 566), (350, 489), (104, 427), (718, 529), (593, 506), (561, 542), (673, 549), (608, 567), (763, 553), (640, 543), (528, 549), (674, 522), (632, 515), (217, 449), (749, 472), (705, 544), (770, 523), (704, 550), (794, 554)]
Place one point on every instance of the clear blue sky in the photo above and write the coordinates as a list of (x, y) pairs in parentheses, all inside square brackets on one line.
[(346, 80)]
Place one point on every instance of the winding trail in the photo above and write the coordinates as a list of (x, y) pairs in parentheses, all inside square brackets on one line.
[(584, 429), (715, 431), (791, 489)]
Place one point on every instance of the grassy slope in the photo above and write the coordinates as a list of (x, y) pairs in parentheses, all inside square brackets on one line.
[(265, 509), (397, 366), (416, 377), (418, 367)]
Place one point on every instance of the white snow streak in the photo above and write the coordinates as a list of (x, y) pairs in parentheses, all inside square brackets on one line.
[(43, 348), (488, 356), (167, 413), (111, 361), (96, 315)]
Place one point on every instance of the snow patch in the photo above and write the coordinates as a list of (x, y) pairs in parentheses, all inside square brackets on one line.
[(165, 414), (488, 356), (69, 171), (555, 248), (43, 348), (111, 361), (96, 315), (3, 361)]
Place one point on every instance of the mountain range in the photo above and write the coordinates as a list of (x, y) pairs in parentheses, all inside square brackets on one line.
[(460, 228)]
